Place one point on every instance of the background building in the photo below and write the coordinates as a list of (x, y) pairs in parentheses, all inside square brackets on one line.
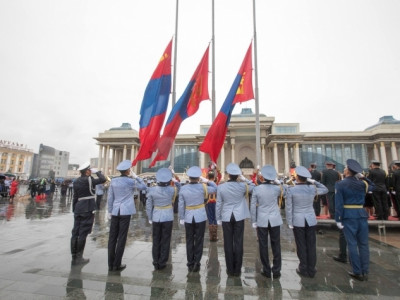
[(282, 145), (52, 163), (15, 158)]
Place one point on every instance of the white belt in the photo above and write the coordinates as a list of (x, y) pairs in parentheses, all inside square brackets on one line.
[(85, 198)]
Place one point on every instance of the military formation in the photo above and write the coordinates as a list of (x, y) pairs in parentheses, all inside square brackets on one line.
[(228, 202)]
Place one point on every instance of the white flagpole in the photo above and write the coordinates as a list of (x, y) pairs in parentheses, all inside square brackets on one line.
[(213, 66), (172, 154), (258, 144)]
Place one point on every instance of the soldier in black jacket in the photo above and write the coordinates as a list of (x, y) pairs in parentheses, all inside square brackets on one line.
[(83, 206), (378, 177), (396, 184), (329, 179), (316, 175)]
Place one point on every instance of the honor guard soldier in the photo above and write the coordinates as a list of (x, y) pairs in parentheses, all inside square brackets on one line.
[(121, 207), (192, 213), (316, 175), (329, 178), (352, 217), (266, 217), (231, 211), (301, 218), (378, 177), (396, 185), (83, 207), (159, 208)]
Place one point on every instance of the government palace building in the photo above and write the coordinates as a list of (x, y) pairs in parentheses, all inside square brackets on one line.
[(282, 145)]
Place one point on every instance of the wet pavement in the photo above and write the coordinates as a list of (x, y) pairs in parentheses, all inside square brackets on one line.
[(35, 262)]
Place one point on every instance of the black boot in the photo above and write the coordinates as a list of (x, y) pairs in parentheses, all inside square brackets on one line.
[(79, 255), (74, 248)]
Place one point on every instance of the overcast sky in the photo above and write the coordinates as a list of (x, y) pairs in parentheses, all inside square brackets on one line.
[(72, 69)]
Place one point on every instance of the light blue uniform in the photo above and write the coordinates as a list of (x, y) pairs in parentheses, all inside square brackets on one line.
[(120, 195), (192, 194), (299, 203), (231, 199), (158, 198), (264, 205)]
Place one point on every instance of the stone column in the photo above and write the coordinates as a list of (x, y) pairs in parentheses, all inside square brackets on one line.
[(297, 154), (262, 152), (376, 153), (394, 151), (202, 160), (124, 153), (222, 167), (107, 158), (276, 160), (286, 153), (100, 163), (114, 160), (233, 149), (133, 154), (383, 157)]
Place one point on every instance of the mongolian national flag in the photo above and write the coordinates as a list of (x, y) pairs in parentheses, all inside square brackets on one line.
[(154, 106), (187, 105), (241, 90)]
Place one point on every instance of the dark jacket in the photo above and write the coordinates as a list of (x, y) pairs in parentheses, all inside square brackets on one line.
[(329, 179), (82, 189), (378, 177)]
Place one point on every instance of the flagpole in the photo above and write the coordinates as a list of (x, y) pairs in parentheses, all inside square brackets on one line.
[(172, 156), (213, 66), (258, 144)]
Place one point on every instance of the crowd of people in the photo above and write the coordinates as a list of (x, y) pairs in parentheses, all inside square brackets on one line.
[(227, 202)]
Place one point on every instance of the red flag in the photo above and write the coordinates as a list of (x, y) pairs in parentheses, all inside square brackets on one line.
[(154, 106), (241, 90), (187, 105)]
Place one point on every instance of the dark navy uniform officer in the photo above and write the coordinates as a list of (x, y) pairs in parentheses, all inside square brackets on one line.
[(83, 206), (352, 217), (192, 213)]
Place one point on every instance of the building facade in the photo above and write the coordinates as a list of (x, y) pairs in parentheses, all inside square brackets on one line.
[(282, 145), (16, 158), (52, 163)]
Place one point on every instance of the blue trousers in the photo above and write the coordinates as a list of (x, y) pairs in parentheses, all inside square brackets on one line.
[(210, 209), (356, 233)]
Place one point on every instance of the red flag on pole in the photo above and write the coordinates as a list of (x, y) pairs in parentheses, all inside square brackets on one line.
[(187, 105), (154, 106), (241, 90)]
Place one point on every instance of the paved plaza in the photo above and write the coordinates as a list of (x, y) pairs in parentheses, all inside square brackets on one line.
[(35, 262)]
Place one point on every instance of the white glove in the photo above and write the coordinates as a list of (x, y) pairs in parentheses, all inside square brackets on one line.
[(254, 225), (394, 192), (312, 181), (339, 225), (219, 222), (290, 226), (276, 181), (359, 176), (369, 192), (109, 216), (172, 170), (181, 222), (94, 170), (242, 178), (258, 167), (175, 180), (213, 165), (133, 175), (203, 180), (150, 222)]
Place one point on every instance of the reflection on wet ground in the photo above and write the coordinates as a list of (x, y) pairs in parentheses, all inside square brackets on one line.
[(35, 262)]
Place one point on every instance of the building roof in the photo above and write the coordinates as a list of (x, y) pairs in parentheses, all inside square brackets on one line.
[(385, 120), (124, 126)]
